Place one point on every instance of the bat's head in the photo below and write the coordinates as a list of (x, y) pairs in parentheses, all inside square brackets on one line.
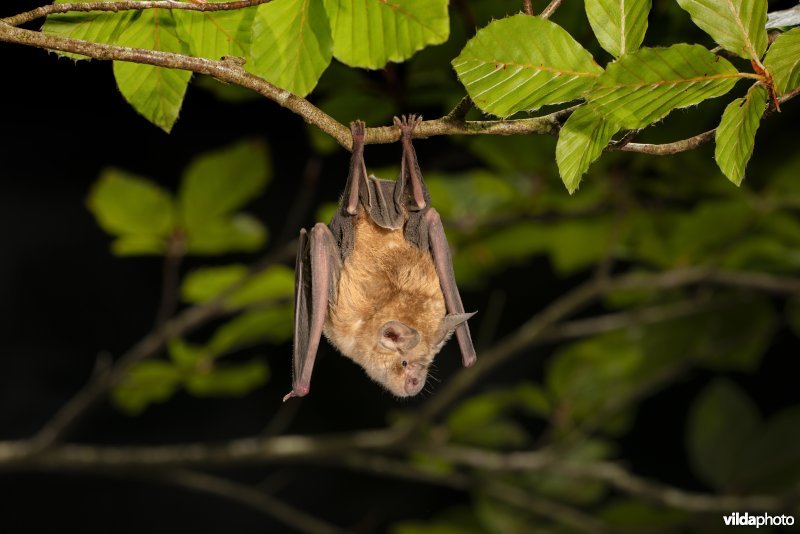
[(402, 355)]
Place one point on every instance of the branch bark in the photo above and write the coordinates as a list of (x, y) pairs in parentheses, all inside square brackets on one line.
[(115, 7)]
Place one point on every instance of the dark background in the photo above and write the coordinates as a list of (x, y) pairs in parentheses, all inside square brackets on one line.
[(64, 299)]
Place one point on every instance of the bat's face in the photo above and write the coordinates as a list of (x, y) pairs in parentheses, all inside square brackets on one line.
[(393, 353), (403, 359)]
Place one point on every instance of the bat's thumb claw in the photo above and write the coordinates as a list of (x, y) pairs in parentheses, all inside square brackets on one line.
[(289, 396), (298, 391)]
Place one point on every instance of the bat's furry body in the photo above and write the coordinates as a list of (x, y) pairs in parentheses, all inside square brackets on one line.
[(385, 279), (378, 282)]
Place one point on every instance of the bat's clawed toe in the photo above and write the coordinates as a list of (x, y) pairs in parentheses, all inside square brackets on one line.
[(407, 124), (357, 129)]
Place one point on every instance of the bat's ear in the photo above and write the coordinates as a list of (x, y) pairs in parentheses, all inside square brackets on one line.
[(448, 326), (452, 320)]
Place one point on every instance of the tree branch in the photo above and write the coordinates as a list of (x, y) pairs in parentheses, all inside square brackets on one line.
[(250, 497), (550, 9), (614, 475), (115, 7)]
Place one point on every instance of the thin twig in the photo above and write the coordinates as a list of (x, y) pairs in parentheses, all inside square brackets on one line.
[(115, 7), (550, 9), (170, 278), (665, 149), (258, 500), (527, 7)]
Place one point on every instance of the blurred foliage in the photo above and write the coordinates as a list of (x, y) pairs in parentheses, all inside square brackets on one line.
[(503, 206)]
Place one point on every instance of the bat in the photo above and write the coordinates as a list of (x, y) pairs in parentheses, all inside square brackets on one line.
[(378, 281)]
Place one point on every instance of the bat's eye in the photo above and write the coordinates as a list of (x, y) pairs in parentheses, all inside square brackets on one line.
[(405, 363)]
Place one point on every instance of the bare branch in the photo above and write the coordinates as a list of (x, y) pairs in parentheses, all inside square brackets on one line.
[(527, 7), (550, 9), (250, 497), (666, 149), (115, 7)]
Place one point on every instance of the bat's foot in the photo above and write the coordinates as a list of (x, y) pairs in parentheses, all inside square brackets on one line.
[(357, 131), (407, 124)]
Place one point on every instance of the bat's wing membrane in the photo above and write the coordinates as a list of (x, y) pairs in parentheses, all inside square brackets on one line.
[(317, 272), (424, 228)]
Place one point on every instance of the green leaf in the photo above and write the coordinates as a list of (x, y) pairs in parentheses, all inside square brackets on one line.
[(227, 380), (155, 92), (721, 424), (643, 87), (292, 44), (139, 245), (202, 285), (737, 25), (783, 61), (523, 63), (220, 182), (251, 328), (215, 34), (240, 233), (736, 133), (580, 142), (185, 355), (146, 383), (619, 25), (133, 208), (98, 27), (370, 33)]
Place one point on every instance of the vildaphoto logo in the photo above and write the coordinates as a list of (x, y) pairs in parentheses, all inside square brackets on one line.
[(762, 520)]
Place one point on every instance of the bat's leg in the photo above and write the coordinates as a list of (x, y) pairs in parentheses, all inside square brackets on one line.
[(316, 276), (409, 189), (440, 251), (357, 185)]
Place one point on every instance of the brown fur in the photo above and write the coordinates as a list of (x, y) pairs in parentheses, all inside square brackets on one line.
[(386, 278)]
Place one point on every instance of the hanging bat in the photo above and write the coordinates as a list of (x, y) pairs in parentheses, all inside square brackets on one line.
[(378, 282)]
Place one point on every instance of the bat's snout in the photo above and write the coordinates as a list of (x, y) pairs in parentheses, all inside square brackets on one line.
[(395, 335), (414, 384)]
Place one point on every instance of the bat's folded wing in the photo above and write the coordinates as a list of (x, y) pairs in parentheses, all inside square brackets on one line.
[(317, 272)]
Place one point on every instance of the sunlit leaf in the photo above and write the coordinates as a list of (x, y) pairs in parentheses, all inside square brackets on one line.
[(98, 26), (155, 92), (292, 44), (228, 379), (737, 25), (644, 86), (373, 32), (580, 142), (215, 34), (219, 182), (781, 60), (146, 383), (133, 208), (523, 63), (721, 424), (618, 24), (736, 133)]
